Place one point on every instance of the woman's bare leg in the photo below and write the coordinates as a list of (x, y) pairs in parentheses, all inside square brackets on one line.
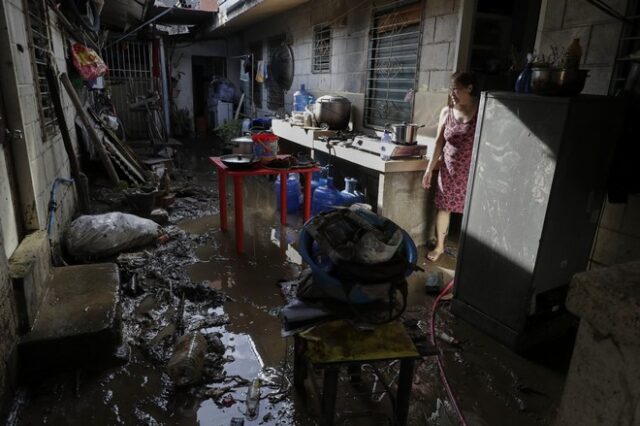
[(442, 227)]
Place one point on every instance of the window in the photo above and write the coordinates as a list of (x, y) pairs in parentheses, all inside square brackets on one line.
[(625, 69), (37, 27), (321, 62), (394, 45)]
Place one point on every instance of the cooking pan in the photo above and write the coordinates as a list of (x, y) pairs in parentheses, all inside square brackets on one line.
[(239, 161)]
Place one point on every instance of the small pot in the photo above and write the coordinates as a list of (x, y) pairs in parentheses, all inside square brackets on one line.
[(242, 145), (405, 133)]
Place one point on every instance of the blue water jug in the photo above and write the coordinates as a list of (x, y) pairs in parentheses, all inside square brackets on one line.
[(294, 194), (316, 181), (301, 98), (349, 194), (325, 197)]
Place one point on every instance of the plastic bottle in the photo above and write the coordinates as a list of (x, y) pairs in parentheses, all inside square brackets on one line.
[(573, 55), (300, 99), (349, 194), (325, 197), (294, 194), (386, 146), (253, 398)]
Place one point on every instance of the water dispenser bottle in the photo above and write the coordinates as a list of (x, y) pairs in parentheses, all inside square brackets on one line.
[(326, 197), (301, 98), (294, 194), (349, 194)]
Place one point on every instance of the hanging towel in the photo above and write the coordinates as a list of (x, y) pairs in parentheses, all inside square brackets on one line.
[(260, 72)]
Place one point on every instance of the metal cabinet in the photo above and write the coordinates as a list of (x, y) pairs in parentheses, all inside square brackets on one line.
[(535, 193)]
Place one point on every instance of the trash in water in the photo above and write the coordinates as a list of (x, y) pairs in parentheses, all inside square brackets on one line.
[(237, 421), (253, 398), (434, 282), (228, 401), (186, 364), (447, 338)]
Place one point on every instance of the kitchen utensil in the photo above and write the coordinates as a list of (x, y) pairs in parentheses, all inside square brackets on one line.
[(242, 145), (239, 161), (557, 81), (405, 133), (333, 110)]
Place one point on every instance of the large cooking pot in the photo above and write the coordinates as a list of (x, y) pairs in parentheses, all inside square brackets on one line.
[(405, 133), (242, 145), (332, 110)]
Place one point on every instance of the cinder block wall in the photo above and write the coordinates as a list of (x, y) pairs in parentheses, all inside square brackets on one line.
[(618, 237), (351, 22), (37, 162), (8, 329)]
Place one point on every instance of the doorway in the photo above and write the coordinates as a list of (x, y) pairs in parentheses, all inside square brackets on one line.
[(203, 70)]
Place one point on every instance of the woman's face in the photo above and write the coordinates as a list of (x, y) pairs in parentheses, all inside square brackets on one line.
[(460, 95)]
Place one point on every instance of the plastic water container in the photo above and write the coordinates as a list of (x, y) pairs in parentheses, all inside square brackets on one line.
[(349, 194), (301, 98), (325, 197), (294, 194), (316, 181)]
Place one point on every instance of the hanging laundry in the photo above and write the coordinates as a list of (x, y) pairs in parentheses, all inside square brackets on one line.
[(261, 72), (244, 74)]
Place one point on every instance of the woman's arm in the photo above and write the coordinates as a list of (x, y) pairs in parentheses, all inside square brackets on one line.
[(437, 152)]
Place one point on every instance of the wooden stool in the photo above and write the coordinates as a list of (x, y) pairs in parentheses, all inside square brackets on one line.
[(337, 344)]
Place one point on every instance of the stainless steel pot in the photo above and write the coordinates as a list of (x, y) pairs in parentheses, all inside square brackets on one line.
[(405, 133), (242, 145), (332, 110)]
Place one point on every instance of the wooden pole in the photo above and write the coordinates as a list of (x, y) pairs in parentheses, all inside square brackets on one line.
[(93, 134), (82, 183)]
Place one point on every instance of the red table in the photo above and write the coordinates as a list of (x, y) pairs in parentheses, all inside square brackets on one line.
[(238, 177)]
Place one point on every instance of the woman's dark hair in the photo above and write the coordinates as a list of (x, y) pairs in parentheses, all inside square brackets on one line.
[(464, 78)]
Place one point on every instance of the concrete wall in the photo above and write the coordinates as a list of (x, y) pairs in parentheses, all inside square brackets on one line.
[(351, 22), (37, 162), (618, 238)]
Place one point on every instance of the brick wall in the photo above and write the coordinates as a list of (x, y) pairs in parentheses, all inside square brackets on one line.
[(618, 237), (8, 328)]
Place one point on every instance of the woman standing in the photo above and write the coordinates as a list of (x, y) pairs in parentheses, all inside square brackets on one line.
[(454, 142)]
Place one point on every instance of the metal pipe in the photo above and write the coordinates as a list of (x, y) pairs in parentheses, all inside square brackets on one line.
[(139, 27), (52, 200), (165, 89)]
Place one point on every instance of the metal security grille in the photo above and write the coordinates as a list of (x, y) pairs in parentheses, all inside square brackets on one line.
[(394, 46), (130, 76), (37, 27), (628, 48), (321, 49), (275, 93)]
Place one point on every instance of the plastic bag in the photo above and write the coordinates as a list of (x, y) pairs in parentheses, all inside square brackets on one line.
[(87, 62), (108, 234)]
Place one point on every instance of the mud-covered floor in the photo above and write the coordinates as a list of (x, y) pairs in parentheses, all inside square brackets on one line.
[(236, 299)]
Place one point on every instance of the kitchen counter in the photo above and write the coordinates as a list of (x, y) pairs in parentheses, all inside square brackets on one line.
[(401, 197)]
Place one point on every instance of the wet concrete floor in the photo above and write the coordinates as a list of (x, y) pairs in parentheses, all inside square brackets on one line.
[(494, 385)]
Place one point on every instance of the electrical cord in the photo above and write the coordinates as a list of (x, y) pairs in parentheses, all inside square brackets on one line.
[(443, 375)]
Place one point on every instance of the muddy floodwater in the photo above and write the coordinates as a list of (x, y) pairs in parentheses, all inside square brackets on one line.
[(196, 282)]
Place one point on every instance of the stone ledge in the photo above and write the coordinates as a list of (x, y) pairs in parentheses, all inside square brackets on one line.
[(609, 299)]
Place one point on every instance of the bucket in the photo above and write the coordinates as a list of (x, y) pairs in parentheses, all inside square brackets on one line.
[(141, 201), (265, 146)]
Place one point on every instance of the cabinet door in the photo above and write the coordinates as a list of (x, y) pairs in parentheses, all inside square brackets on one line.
[(517, 142)]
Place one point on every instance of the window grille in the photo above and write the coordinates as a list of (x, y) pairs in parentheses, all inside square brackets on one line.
[(39, 45), (321, 62), (275, 93), (628, 48), (394, 46)]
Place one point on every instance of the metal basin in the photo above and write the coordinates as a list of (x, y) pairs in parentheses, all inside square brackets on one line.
[(557, 82)]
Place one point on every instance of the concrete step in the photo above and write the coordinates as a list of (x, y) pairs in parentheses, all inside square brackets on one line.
[(78, 322)]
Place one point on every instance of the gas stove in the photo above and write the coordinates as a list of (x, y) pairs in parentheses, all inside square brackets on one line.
[(371, 144)]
